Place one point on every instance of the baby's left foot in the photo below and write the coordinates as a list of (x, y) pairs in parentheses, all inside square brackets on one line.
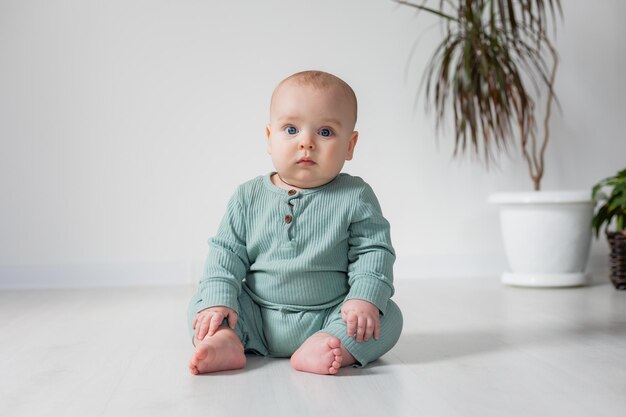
[(319, 354)]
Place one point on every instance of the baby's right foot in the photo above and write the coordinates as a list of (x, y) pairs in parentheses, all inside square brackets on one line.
[(220, 352)]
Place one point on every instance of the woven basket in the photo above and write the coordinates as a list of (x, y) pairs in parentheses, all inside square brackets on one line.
[(617, 241)]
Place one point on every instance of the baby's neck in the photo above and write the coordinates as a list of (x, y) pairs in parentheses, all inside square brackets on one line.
[(278, 181), (281, 183)]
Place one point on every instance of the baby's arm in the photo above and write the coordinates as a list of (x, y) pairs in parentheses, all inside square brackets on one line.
[(362, 319), (209, 320), (370, 269), (225, 266)]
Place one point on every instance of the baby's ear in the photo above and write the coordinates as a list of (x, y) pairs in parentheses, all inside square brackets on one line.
[(353, 140), (269, 143)]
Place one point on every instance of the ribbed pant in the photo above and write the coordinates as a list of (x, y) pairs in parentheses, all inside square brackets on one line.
[(279, 332)]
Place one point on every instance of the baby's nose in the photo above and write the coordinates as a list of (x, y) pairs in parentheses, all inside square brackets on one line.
[(307, 143)]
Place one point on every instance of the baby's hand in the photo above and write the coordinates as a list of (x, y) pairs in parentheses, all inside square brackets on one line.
[(209, 320), (362, 319)]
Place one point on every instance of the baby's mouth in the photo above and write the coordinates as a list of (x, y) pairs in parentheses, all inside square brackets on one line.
[(306, 161)]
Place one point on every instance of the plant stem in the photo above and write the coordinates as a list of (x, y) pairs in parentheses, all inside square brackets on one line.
[(427, 9), (536, 160)]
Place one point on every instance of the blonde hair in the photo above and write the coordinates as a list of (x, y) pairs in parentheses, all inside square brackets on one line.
[(321, 80)]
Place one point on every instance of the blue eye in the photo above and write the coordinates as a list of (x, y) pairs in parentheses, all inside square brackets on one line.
[(326, 132), (291, 130)]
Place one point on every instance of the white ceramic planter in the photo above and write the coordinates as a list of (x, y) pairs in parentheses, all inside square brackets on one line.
[(547, 237)]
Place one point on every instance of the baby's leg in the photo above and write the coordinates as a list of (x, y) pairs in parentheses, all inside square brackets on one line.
[(225, 349), (221, 352), (321, 353), (334, 333)]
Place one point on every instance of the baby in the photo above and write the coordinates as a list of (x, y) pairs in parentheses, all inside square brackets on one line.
[(301, 265)]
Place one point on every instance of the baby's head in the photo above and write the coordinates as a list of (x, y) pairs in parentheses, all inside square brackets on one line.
[(311, 130), (322, 82)]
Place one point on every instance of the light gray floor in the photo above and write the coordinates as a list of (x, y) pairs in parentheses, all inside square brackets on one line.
[(469, 348)]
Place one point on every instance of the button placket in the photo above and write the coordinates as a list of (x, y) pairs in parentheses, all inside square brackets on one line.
[(290, 215)]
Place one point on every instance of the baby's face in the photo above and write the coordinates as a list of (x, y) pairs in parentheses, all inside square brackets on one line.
[(310, 135)]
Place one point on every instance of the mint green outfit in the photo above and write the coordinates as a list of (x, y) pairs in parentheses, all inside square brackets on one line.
[(285, 261)]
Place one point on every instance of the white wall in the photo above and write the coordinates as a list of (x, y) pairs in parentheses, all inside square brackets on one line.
[(126, 125)]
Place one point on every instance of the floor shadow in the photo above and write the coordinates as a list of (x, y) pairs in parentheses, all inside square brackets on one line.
[(434, 347), (256, 361)]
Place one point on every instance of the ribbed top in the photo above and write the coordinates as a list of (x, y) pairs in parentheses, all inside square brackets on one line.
[(300, 249)]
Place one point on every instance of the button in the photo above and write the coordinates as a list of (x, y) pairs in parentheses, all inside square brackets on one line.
[(288, 218), (292, 192)]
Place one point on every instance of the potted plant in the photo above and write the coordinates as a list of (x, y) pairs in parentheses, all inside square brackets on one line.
[(610, 215), (486, 75)]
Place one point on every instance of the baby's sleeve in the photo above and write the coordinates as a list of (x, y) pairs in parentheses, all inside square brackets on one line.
[(227, 261), (370, 255)]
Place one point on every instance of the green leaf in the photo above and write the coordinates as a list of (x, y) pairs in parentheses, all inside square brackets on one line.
[(594, 191)]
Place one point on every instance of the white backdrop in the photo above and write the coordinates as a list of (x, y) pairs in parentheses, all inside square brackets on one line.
[(126, 125)]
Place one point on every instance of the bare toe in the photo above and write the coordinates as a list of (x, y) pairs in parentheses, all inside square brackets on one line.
[(319, 354), (334, 343)]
